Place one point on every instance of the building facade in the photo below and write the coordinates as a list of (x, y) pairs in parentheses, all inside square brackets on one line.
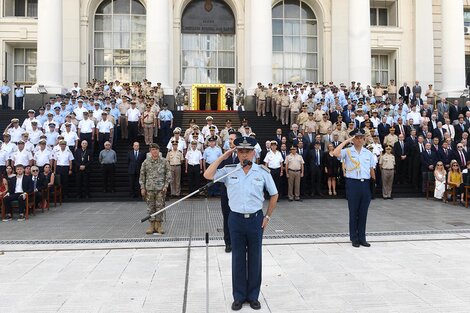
[(58, 42)]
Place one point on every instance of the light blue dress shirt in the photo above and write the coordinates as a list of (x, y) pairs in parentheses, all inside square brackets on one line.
[(350, 157), (211, 154), (165, 115), (245, 191)]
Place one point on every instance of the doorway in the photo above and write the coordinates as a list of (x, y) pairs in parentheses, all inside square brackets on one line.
[(209, 99)]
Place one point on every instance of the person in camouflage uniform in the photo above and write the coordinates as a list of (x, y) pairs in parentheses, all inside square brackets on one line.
[(155, 176)]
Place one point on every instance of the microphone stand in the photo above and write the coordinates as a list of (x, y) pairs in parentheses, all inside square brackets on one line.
[(202, 189)]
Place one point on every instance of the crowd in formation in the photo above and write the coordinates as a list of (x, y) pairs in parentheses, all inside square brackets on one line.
[(410, 132)]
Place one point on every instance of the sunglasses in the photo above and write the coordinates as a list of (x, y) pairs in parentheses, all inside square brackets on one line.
[(455, 165), (35, 171)]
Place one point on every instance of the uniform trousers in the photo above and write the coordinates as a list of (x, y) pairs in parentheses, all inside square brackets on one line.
[(294, 184), (402, 173), (293, 117), (14, 197), (148, 133), (194, 176), (108, 177), (271, 106), (315, 178), (175, 185), (83, 182), (276, 174), (132, 131), (122, 122), (240, 101), (134, 187), (359, 197), (261, 107), (63, 172), (165, 132), (284, 115), (225, 213), (230, 104), (387, 182), (19, 103), (155, 201), (246, 235), (87, 137), (102, 138), (5, 99), (278, 112)]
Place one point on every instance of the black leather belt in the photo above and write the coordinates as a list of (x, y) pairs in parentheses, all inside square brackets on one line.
[(248, 215), (294, 170)]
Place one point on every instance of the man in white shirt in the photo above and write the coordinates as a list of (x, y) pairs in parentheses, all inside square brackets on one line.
[(133, 118), (70, 137), (22, 156), (28, 146), (48, 122), (206, 129), (179, 139), (97, 112), (274, 161), (63, 165), (15, 130), (104, 130), (86, 129), (79, 110), (193, 166), (27, 122), (8, 146), (43, 156), (35, 133)]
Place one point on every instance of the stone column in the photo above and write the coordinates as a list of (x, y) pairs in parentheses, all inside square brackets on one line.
[(453, 48), (49, 44), (261, 45), (359, 42), (424, 44), (158, 38)]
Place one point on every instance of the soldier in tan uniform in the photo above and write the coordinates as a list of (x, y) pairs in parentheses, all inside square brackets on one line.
[(277, 100), (294, 172), (324, 125), (302, 118), (391, 138), (342, 135), (270, 104), (257, 96), (285, 102), (294, 108), (261, 108), (159, 94), (392, 91), (149, 122), (175, 158), (123, 107), (387, 168), (189, 131)]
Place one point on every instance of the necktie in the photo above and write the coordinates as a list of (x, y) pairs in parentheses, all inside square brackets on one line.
[(462, 159), (445, 150), (34, 180), (420, 148), (318, 157), (402, 148), (300, 151), (401, 130), (135, 155), (429, 152), (234, 156)]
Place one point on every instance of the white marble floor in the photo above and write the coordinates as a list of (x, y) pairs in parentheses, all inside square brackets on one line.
[(406, 276)]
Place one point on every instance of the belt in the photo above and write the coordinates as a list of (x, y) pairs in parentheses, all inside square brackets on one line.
[(194, 164), (149, 123), (388, 169), (294, 170), (104, 133), (248, 215), (176, 165), (359, 179)]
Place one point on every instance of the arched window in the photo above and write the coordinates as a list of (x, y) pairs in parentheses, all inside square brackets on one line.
[(295, 42), (119, 40), (208, 43)]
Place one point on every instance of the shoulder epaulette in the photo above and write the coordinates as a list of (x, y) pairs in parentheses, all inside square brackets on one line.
[(231, 165), (265, 168)]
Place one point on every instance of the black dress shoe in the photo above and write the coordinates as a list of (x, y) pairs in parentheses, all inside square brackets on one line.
[(255, 305), (228, 248), (237, 305), (364, 243), (356, 244)]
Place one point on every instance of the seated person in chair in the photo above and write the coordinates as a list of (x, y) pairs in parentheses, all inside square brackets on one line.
[(39, 183), (18, 189), (455, 179)]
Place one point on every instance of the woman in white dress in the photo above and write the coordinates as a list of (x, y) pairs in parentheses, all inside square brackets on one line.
[(440, 176)]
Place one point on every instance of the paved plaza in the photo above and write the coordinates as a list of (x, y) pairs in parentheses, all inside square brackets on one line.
[(94, 257)]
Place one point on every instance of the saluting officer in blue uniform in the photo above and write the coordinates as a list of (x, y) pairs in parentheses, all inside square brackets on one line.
[(358, 166), (246, 220)]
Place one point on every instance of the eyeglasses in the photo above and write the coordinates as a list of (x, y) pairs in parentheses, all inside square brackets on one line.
[(35, 171), (455, 165), (439, 164)]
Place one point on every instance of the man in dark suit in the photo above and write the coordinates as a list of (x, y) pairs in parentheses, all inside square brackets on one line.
[(278, 137), (308, 139), (82, 163), (454, 111), (439, 132), (460, 128), (302, 150), (383, 129), (445, 155), (315, 164), (402, 154), (461, 156), (17, 193), (39, 183), (347, 114), (292, 136), (135, 158), (402, 128), (404, 92), (428, 163), (223, 193), (416, 90)]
